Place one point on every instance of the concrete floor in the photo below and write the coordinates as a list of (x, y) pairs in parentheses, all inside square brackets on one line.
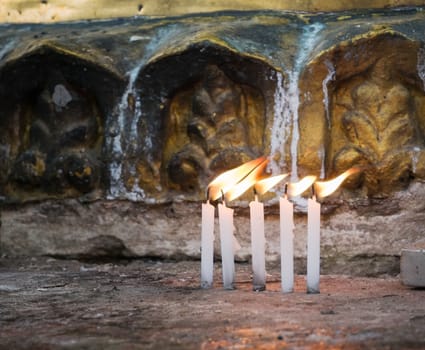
[(56, 304)]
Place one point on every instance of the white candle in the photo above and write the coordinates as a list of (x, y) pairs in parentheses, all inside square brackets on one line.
[(258, 245), (207, 245), (287, 245), (313, 246), (225, 216)]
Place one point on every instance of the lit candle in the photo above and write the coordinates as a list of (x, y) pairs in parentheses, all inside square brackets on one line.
[(287, 244), (322, 189), (257, 224), (207, 245), (287, 231), (258, 245), (225, 215), (258, 241), (313, 246), (220, 186), (226, 181)]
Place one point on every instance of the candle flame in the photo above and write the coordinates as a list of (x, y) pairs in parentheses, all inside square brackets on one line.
[(264, 185), (326, 188), (295, 189), (225, 181), (240, 188)]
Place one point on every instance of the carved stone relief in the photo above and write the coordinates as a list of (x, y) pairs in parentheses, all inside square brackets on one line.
[(58, 147), (187, 112), (152, 109), (212, 125), (212, 116), (51, 129), (373, 118), (379, 127)]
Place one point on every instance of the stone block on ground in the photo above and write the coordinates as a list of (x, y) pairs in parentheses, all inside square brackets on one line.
[(412, 265)]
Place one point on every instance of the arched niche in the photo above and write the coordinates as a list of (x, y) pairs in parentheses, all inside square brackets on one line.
[(204, 110), (369, 114), (52, 123)]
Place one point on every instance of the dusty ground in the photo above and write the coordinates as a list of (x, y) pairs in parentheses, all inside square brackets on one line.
[(55, 304)]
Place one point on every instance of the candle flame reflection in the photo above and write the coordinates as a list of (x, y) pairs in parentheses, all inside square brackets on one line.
[(225, 181), (296, 188), (240, 188), (326, 188), (262, 186)]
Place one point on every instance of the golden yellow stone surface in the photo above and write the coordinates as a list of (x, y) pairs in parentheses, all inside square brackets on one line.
[(375, 117), (43, 11)]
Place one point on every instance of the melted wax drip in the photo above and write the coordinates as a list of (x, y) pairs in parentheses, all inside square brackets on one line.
[(329, 77), (415, 158), (120, 147), (322, 154), (287, 103), (281, 126), (421, 65)]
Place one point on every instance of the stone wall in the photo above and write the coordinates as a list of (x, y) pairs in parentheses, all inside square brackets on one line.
[(48, 11), (110, 131)]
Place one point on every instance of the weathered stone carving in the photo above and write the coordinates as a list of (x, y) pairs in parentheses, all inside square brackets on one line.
[(192, 106), (57, 147), (380, 129), (162, 105), (211, 116), (51, 129), (213, 125), (374, 116)]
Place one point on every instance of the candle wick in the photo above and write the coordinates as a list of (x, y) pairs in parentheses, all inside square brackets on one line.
[(255, 194)]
